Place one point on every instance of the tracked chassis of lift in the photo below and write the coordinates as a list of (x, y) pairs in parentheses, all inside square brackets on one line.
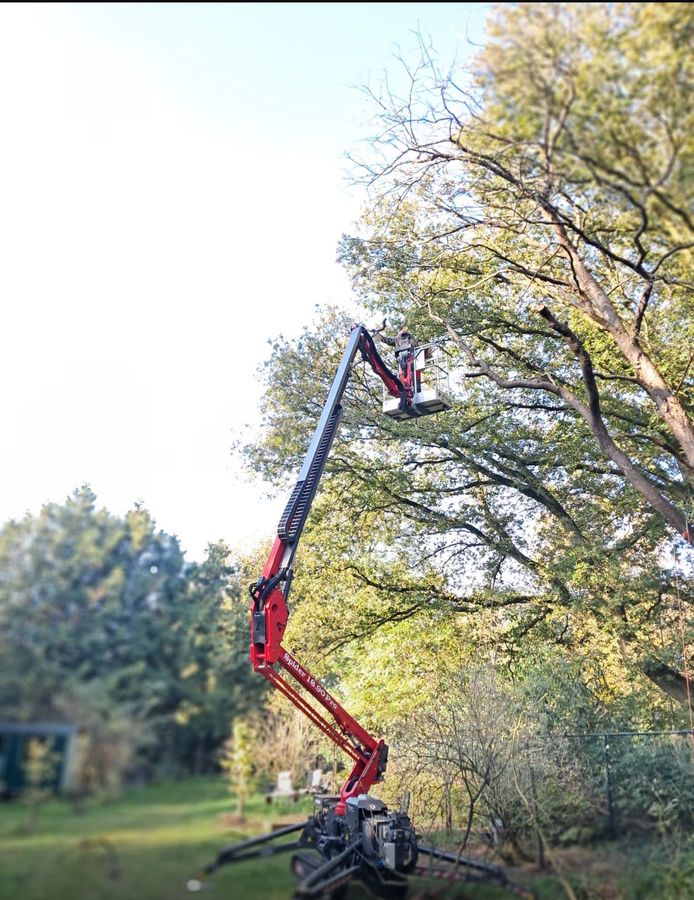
[(369, 844)]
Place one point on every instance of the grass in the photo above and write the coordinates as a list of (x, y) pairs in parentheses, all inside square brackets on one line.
[(148, 843), (145, 845)]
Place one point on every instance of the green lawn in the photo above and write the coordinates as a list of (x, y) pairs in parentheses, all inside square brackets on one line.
[(145, 846)]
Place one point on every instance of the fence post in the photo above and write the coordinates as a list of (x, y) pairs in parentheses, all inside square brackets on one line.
[(611, 830), (536, 823)]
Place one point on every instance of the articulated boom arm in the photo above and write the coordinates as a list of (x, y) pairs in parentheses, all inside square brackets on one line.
[(350, 837), (269, 594)]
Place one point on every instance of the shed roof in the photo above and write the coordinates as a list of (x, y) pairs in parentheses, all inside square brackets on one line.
[(37, 728)]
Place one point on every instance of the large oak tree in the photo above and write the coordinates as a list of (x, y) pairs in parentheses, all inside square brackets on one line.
[(536, 213)]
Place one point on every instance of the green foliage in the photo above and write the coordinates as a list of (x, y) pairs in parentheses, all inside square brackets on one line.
[(109, 739), (148, 843), (78, 583), (676, 881), (40, 766), (284, 740), (653, 783), (103, 624), (237, 761), (534, 212), (431, 535), (215, 680), (546, 230), (657, 871)]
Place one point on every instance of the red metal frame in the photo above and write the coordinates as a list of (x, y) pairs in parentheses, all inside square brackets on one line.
[(276, 613), (269, 615), (368, 753), (368, 348)]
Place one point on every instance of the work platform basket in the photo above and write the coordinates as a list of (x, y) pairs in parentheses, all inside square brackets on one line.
[(432, 386)]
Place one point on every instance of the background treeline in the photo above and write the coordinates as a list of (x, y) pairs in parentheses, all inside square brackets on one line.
[(103, 625)]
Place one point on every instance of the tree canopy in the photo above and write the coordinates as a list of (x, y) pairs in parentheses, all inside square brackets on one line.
[(104, 624), (535, 212)]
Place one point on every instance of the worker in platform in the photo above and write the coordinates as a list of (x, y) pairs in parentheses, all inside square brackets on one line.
[(404, 345)]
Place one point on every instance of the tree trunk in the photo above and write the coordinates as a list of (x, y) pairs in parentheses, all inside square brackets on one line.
[(671, 682), (646, 372)]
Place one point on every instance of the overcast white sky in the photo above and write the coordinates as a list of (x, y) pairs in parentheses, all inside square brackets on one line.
[(171, 196)]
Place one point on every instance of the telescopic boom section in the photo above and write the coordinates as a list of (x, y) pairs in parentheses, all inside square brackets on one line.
[(269, 593)]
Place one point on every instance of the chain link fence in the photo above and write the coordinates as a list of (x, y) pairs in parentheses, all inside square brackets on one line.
[(635, 781)]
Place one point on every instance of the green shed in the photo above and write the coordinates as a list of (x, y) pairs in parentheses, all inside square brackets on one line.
[(15, 738)]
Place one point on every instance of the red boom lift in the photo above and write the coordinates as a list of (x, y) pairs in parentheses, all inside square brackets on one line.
[(354, 834)]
